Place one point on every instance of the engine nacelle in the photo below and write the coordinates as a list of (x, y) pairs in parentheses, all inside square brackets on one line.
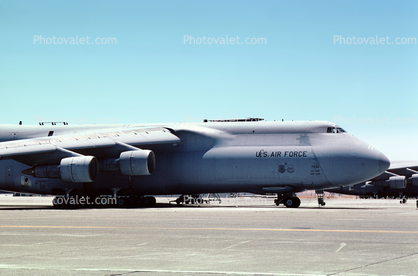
[(46, 171), (414, 179), (137, 162), (397, 182), (79, 169)]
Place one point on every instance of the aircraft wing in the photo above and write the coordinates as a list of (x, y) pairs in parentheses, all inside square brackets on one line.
[(406, 168), (401, 179), (398, 168), (399, 175), (50, 150), (383, 176)]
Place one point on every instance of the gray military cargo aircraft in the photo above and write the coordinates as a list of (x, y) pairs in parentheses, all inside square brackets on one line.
[(399, 181), (84, 165)]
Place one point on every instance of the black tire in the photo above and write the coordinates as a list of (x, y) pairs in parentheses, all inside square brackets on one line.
[(122, 202), (153, 201), (292, 202), (58, 201), (296, 202), (104, 201), (288, 202), (149, 201)]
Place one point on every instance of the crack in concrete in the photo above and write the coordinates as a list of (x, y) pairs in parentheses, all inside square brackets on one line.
[(375, 263)]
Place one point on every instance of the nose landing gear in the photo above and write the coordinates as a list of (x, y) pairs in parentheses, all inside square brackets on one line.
[(320, 196)]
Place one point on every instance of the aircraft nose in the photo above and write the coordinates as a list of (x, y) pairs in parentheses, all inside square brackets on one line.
[(367, 162), (352, 163), (383, 163)]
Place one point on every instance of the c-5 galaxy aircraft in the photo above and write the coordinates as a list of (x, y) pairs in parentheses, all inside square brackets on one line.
[(130, 163), (399, 181)]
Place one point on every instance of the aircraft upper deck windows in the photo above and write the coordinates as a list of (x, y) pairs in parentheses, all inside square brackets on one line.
[(335, 130)]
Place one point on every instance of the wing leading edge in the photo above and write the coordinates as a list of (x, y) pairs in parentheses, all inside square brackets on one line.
[(43, 151), (78, 158)]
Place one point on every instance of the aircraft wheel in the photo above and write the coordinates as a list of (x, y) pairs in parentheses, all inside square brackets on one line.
[(103, 201), (122, 202), (58, 201), (149, 201), (133, 201), (153, 201), (288, 202), (296, 202), (292, 202)]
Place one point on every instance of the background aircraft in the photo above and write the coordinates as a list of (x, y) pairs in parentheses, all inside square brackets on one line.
[(399, 181), (83, 165)]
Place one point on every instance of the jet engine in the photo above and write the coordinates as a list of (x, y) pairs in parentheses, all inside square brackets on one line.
[(71, 169), (397, 182), (82, 169), (133, 163), (414, 179), (394, 182), (79, 169), (137, 162)]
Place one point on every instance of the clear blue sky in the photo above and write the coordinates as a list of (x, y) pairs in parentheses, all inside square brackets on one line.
[(151, 75)]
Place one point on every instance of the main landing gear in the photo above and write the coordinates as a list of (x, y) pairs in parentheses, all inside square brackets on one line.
[(289, 200), (103, 201)]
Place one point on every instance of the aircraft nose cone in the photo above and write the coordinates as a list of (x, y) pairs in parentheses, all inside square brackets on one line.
[(352, 163), (383, 163)]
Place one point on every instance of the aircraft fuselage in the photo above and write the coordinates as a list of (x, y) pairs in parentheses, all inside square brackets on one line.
[(257, 157)]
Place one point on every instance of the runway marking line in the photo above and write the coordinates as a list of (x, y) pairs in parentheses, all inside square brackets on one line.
[(213, 229)]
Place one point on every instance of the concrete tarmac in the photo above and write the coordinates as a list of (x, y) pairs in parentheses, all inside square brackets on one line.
[(244, 236)]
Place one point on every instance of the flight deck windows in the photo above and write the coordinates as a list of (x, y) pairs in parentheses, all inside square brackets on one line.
[(335, 130)]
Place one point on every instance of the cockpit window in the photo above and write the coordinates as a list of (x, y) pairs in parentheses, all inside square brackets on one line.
[(335, 130)]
